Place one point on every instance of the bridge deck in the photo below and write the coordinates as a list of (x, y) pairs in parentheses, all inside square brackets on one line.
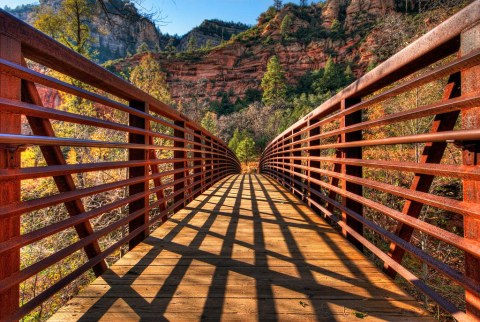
[(245, 250)]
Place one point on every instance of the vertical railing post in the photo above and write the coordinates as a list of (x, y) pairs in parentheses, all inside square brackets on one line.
[(290, 174), (299, 191), (287, 173), (279, 158), (352, 153), (288, 164), (313, 165), (204, 163), (470, 80), (179, 153), (141, 171), (215, 162), (208, 162), (10, 88), (197, 163)]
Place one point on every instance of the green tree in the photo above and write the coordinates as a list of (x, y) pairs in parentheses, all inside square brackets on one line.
[(332, 80), (192, 43), (143, 48), (286, 26), (246, 149), (149, 77), (348, 75), (336, 27), (235, 140), (209, 44), (68, 24), (303, 3), (209, 122), (273, 83)]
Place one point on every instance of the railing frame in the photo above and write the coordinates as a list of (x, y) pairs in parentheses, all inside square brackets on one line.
[(470, 82), (281, 160)]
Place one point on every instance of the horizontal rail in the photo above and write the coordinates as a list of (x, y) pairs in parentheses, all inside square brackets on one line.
[(456, 206)]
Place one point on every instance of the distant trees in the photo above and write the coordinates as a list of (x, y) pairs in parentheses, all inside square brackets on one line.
[(303, 3), (209, 44), (246, 150), (273, 83), (209, 122), (235, 140), (286, 26), (149, 77), (192, 43), (349, 77), (277, 4), (243, 145), (332, 78), (143, 48)]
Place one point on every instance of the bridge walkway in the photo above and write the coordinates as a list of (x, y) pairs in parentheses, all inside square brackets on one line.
[(244, 250)]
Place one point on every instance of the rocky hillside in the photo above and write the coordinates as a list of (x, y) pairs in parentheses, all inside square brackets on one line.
[(359, 33), (211, 33), (116, 37), (126, 29)]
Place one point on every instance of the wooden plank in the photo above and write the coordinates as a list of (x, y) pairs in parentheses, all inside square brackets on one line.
[(243, 266)]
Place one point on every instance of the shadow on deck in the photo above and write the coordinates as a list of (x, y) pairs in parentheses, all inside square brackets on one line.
[(244, 250)]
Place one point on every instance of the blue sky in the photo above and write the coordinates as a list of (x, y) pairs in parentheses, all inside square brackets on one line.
[(180, 16)]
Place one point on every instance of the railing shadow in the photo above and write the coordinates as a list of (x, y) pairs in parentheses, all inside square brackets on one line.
[(199, 285)]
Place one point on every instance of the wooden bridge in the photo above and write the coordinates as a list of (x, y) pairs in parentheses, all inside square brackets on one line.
[(245, 250), (335, 226)]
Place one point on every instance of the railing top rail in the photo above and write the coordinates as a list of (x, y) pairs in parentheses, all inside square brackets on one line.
[(438, 43), (46, 51)]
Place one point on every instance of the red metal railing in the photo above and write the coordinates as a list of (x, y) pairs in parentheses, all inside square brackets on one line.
[(353, 161), (162, 161)]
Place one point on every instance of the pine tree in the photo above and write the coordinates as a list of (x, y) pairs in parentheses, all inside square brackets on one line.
[(273, 83), (277, 4), (303, 3), (332, 80), (348, 74)]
